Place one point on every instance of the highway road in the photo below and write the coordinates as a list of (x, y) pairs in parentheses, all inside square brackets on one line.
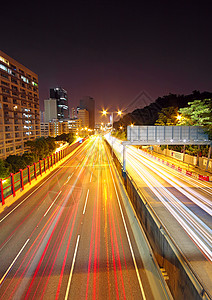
[(183, 204), (71, 237)]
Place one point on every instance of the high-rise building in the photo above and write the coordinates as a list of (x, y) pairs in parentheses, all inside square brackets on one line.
[(50, 110), (19, 106), (88, 103), (83, 114), (60, 95), (73, 113)]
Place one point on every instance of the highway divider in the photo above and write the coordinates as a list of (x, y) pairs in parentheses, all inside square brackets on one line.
[(182, 282)]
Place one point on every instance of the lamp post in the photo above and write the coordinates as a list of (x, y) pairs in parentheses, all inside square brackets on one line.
[(104, 113)]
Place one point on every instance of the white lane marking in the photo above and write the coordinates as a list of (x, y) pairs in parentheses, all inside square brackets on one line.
[(72, 268), (69, 177), (91, 176), (129, 241), (52, 203), (86, 202), (5, 274)]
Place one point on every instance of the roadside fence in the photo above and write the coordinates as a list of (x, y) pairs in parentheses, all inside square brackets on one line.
[(10, 185)]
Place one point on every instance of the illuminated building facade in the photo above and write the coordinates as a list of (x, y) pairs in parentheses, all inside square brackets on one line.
[(88, 103), (83, 114), (54, 128), (19, 106), (60, 95)]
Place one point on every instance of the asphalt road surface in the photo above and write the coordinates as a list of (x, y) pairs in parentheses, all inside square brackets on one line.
[(70, 237), (183, 205)]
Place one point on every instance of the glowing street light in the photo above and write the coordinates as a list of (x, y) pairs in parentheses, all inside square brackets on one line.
[(179, 117), (104, 113)]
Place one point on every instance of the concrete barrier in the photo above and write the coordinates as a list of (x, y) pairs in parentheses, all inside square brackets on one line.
[(182, 282)]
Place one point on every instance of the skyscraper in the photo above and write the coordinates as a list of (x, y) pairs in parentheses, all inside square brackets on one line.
[(60, 95), (50, 110), (19, 106), (88, 103)]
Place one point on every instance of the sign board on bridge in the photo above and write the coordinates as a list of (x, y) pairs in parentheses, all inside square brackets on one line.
[(167, 135)]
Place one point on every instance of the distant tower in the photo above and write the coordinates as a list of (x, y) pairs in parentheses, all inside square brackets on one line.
[(60, 95), (88, 103)]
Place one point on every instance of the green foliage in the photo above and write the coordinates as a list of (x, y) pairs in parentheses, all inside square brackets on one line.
[(120, 134), (198, 112), (41, 147), (163, 147), (51, 144), (167, 116), (16, 162), (194, 150), (149, 114), (5, 169), (66, 137), (29, 158)]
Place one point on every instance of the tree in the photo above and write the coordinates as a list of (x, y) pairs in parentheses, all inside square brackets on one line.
[(199, 113), (120, 134), (16, 162), (41, 147), (167, 116), (51, 144), (5, 169), (29, 158), (67, 137)]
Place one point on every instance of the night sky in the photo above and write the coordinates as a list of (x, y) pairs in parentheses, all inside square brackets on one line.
[(112, 50)]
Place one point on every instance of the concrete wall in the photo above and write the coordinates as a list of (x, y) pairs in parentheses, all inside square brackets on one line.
[(182, 282)]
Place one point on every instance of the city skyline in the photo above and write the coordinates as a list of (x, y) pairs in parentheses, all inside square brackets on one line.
[(114, 51), (93, 206)]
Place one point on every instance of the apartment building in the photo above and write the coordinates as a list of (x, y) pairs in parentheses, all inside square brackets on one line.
[(54, 128), (19, 106)]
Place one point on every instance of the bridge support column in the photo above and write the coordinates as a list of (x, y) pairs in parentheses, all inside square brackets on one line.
[(124, 161)]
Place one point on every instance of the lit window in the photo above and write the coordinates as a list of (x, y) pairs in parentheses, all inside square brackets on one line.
[(3, 67), (24, 79), (4, 60)]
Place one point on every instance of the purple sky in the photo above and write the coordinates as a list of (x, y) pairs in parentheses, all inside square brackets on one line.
[(112, 50)]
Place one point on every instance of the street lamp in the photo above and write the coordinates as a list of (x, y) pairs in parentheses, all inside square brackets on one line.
[(179, 117), (104, 113)]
